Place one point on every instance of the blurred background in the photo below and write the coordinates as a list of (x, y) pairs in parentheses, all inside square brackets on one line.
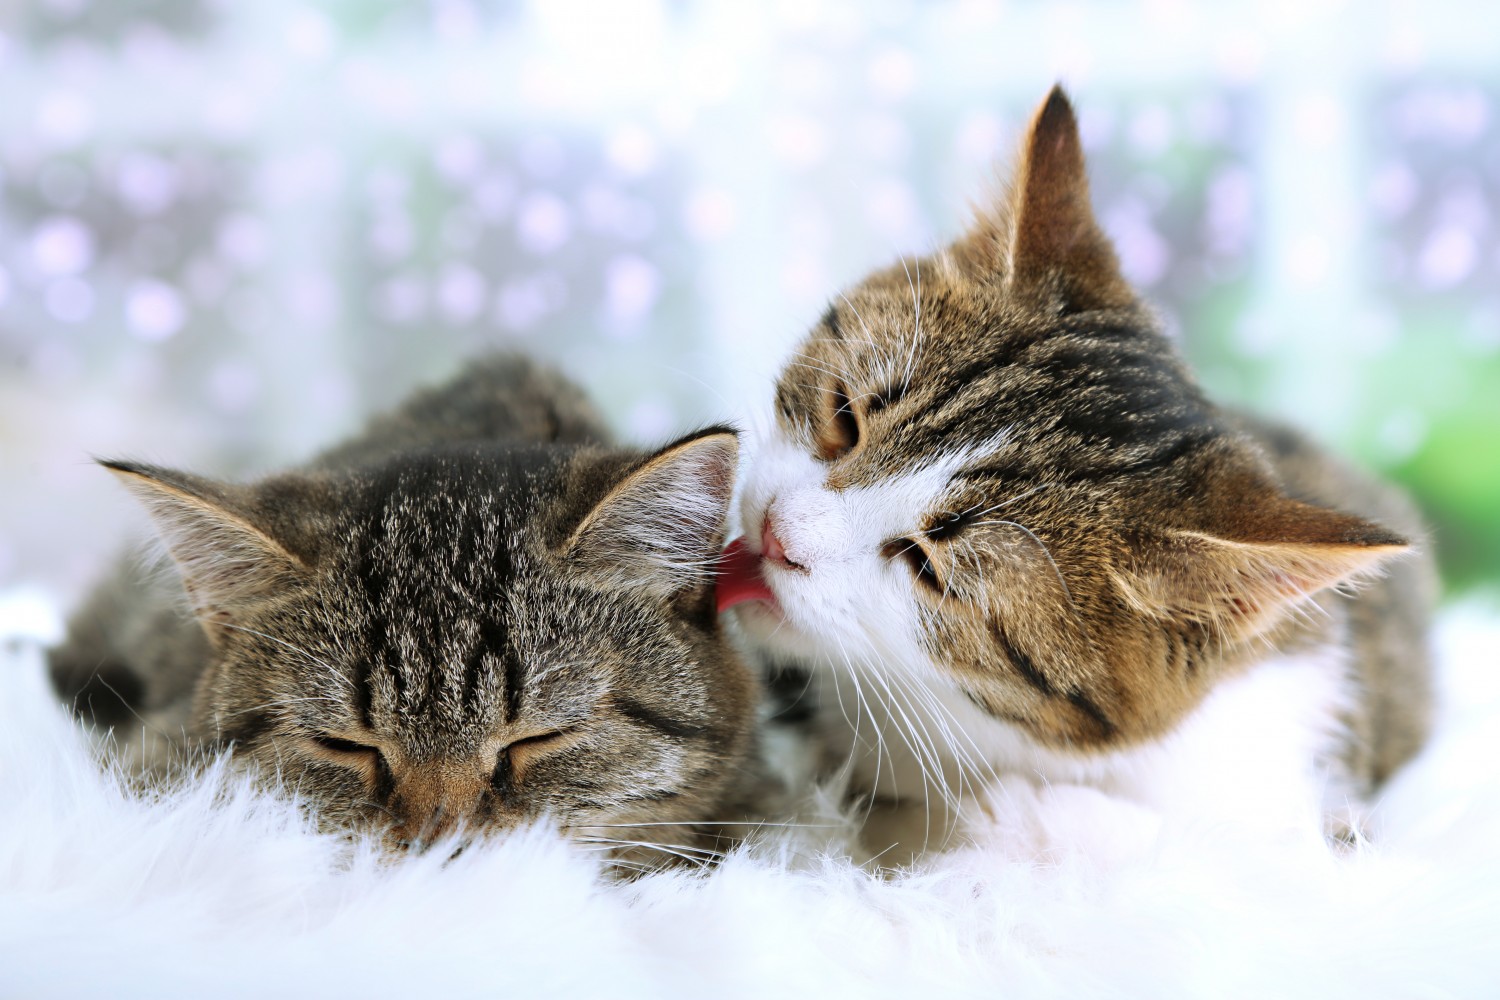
[(229, 230)]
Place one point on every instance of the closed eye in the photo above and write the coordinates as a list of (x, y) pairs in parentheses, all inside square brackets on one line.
[(528, 749), (361, 757), (540, 739), (339, 745), (840, 431), (917, 559)]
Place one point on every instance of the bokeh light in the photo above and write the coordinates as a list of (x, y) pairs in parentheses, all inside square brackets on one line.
[(230, 230)]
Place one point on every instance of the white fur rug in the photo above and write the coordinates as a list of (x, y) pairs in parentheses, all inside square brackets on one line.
[(219, 892)]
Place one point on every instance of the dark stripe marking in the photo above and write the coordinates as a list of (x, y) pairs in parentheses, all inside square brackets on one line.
[(1176, 654), (511, 664), (398, 682), (831, 321), (1088, 707), (651, 718), (363, 695), (1022, 663), (489, 643), (473, 671)]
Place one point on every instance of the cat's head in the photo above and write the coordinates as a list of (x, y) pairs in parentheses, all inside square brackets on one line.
[(989, 464), (476, 637)]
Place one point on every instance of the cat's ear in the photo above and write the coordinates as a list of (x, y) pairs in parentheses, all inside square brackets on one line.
[(662, 526), (1042, 238), (1256, 560), (227, 562)]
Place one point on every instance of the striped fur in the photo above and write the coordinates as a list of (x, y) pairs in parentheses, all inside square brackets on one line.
[(474, 632), (993, 477)]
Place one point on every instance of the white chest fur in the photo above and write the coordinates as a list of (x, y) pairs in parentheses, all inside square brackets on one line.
[(1257, 753)]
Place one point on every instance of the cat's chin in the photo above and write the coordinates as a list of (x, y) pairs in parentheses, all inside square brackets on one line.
[(761, 618), (766, 624), (769, 627)]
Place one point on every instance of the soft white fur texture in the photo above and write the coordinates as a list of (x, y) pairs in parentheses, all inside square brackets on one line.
[(217, 891)]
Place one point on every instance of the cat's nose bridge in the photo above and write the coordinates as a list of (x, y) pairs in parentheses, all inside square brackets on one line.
[(810, 525), (433, 796)]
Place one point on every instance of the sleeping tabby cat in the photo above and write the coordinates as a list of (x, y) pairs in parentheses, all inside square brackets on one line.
[(1006, 531), (474, 614)]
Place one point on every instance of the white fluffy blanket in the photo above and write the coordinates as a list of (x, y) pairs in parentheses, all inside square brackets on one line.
[(219, 892)]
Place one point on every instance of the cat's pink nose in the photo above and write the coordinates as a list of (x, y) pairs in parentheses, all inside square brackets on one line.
[(771, 547)]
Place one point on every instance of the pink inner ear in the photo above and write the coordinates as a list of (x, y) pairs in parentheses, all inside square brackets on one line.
[(739, 578)]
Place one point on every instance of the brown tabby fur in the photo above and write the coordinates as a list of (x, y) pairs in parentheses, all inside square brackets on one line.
[(1119, 545), (471, 616)]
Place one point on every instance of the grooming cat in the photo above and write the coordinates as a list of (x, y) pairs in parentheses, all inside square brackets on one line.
[(474, 614), (1006, 532)]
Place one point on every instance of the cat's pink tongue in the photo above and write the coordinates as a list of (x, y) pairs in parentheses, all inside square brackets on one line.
[(739, 577)]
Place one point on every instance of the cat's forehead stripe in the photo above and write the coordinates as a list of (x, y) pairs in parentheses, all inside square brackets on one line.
[(433, 559), (1102, 396), (514, 681)]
